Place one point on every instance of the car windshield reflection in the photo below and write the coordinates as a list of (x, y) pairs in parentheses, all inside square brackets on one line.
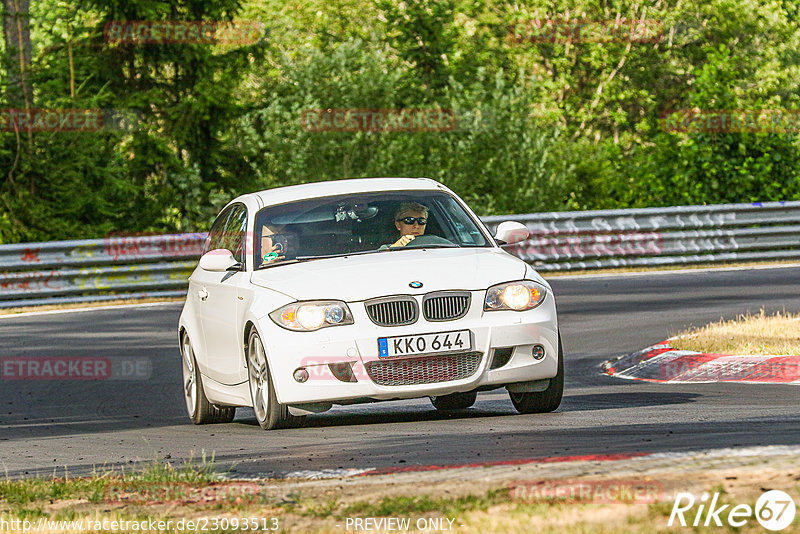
[(363, 223)]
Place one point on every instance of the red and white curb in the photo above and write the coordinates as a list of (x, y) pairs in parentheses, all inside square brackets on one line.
[(663, 363)]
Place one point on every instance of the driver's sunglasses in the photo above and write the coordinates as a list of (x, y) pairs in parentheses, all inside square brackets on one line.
[(422, 221)]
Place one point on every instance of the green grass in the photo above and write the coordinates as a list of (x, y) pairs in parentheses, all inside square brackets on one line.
[(19, 493), (422, 504), (496, 509)]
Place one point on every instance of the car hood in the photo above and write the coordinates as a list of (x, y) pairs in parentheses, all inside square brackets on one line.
[(360, 277)]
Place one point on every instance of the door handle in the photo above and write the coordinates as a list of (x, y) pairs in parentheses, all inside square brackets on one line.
[(203, 294)]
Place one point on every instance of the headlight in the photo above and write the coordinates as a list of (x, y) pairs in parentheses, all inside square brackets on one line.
[(519, 296), (310, 316)]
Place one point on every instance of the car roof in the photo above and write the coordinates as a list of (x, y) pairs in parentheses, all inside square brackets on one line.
[(290, 193)]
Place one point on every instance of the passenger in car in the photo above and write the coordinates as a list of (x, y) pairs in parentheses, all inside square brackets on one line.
[(410, 220), (271, 248)]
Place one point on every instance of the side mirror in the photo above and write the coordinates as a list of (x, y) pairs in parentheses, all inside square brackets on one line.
[(218, 260), (511, 232)]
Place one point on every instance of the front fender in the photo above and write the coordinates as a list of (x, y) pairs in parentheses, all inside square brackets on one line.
[(262, 302), (190, 323)]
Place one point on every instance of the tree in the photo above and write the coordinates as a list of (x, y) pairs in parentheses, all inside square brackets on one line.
[(17, 57)]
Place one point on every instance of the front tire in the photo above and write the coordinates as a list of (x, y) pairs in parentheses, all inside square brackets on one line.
[(270, 414), (547, 400), (200, 410), (454, 401)]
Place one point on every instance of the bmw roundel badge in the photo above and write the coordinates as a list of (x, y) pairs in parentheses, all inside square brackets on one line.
[(415, 284)]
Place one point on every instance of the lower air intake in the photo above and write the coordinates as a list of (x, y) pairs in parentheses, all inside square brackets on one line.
[(424, 370)]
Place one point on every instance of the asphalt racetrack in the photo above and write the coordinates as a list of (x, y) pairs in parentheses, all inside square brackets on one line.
[(46, 426)]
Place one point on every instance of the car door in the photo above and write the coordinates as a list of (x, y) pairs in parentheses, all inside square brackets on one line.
[(198, 292), (219, 294)]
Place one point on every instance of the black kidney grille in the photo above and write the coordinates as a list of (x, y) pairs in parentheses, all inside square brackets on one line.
[(425, 370), (392, 311), (445, 307)]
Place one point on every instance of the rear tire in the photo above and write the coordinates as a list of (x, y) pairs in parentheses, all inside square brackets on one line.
[(543, 401), (455, 401), (270, 414), (200, 410)]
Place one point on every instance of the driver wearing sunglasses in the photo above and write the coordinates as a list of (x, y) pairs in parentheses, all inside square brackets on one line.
[(410, 220)]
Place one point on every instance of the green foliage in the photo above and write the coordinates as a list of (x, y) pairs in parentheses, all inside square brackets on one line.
[(475, 158), (63, 185), (721, 167), (422, 33), (571, 124)]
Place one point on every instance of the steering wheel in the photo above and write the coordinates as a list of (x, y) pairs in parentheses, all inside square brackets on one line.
[(426, 240)]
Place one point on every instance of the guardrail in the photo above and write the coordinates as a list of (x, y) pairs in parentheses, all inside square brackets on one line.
[(117, 267), (131, 266), (682, 235)]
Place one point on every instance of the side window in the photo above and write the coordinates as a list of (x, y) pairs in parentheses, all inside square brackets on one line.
[(233, 235), (215, 235), (464, 229)]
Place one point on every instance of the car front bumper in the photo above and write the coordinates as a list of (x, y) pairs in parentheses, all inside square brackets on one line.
[(356, 346)]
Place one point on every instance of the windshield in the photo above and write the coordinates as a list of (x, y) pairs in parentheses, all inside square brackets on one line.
[(360, 224)]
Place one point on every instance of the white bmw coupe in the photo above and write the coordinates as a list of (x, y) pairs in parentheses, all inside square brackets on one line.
[(358, 291)]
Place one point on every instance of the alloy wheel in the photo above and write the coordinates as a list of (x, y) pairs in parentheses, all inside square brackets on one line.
[(259, 381), (189, 376)]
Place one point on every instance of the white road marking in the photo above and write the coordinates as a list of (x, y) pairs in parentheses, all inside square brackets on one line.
[(767, 450), (309, 474), (675, 271), (75, 310)]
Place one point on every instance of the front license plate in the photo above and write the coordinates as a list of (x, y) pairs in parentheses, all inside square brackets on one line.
[(457, 340)]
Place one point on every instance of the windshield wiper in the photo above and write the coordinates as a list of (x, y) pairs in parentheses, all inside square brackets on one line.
[(420, 247), (340, 255), (276, 263)]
